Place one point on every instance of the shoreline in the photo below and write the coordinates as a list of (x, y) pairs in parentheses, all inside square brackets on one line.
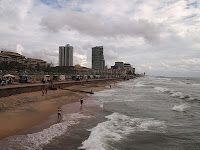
[(23, 119)]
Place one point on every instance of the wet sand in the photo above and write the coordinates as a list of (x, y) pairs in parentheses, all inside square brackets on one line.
[(24, 111)]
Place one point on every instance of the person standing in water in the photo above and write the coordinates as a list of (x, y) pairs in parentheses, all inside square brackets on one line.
[(81, 101), (59, 113)]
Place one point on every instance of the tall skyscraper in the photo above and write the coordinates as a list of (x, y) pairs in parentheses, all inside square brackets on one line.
[(98, 61), (66, 55)]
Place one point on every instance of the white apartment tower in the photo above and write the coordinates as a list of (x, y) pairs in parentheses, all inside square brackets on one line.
[(66, 55)]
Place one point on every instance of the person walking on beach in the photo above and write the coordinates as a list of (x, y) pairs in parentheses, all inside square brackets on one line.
[(42, 92), (81, 100), (59, 113), (46, 90)]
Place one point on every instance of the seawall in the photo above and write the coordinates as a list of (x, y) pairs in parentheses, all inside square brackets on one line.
[(24, 88)]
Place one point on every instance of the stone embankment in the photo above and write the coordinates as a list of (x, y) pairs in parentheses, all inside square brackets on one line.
[(24, 88)]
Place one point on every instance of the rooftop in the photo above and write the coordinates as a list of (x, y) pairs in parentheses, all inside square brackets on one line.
[(3, 55), (33, 59), (11, 53)]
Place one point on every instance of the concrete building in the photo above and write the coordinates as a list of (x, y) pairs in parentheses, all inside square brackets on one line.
[(126, 65), (98, 61), (32, 62), (129, 68), (66, 55), (11, 57), (114, 67), (119, 64), (80, 70), (5, 58)]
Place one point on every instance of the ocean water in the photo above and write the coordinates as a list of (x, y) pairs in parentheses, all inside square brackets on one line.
[(147, 113)]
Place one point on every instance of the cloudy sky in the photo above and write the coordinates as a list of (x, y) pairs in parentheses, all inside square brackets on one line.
[(159, 37)]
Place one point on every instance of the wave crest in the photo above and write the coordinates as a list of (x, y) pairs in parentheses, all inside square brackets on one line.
[(116, 127), (181, 108)]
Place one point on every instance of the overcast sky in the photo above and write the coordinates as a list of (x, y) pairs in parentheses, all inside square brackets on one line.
[(159, 37)]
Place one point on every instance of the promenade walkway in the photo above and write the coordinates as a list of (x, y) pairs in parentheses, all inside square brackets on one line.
[(8, 86), (12, 89)]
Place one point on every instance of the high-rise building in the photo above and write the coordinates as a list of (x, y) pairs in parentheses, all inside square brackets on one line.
[(98, 61), (66, 55), (119, 64)]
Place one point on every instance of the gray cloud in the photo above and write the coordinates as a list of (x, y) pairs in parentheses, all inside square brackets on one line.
[(14, 11), (96, 26), (125, 28)]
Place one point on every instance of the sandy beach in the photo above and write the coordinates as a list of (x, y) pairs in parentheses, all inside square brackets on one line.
[(24, 111)]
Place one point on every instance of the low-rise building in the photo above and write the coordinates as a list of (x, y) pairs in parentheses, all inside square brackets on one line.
[(114, 67), (34, 62), (119, 64), (80, 70), (12, 57), (5, 58), (129, 69)]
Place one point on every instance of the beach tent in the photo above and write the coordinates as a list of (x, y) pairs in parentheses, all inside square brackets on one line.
[(8, 76), (47, 77), (74, 77), (24, 78), (62, 77), (55, 77)]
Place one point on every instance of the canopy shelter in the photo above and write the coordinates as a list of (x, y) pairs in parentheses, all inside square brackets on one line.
[(8, 75), (62, 77), (55, 77), (8, 78), (47, 77)]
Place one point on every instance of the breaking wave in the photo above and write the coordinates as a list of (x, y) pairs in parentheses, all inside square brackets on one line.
[(37, 140), (181, 108), (174, 93), (139, 84), (162, 89), (116, 127)]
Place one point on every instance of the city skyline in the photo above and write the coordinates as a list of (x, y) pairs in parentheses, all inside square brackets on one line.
[(156, 37)]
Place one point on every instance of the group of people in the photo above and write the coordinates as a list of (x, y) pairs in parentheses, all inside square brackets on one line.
[(59, 109), (2, 82)]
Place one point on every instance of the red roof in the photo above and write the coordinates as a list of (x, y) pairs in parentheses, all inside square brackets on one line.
[(11, 53), (33, 59)]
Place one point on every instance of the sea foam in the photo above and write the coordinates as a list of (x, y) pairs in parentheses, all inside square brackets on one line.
[(181, 108), (174, 93), (116, 127), (37, 140), (162, 89), (139, 84)]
